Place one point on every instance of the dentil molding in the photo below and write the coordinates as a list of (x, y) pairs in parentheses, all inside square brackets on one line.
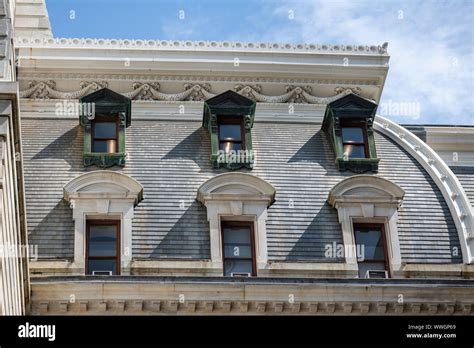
[(200, 45)]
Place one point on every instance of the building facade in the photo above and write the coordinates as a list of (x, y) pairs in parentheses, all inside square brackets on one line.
[(14, 278), (179, 177)]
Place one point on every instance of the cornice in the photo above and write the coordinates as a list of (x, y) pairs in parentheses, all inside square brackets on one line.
[(210, 295), (380, 50), (119, 61)]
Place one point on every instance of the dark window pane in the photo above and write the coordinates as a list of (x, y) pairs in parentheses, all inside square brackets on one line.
[(102, 231), (237, 242), (371, 239), (102, 265), (352, 134), (354, 151), (237, 251), (102, 240), (100, 146), (237, 266), (108, 146), (239, 235), (105, 130), (370, 266), (230, 132), (103, 249)]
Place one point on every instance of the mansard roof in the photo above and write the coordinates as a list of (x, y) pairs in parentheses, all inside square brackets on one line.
[(169, 223)]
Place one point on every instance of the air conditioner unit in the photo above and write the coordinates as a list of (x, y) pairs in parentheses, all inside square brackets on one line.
[(240, 274), (109, 273), (377, 274)]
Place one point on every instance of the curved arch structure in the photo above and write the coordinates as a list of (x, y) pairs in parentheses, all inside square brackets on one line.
[(362, 188), (449, 185), (230, 186), (103, 184)]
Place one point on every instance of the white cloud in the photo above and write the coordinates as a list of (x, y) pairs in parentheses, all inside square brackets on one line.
[(430, 43)]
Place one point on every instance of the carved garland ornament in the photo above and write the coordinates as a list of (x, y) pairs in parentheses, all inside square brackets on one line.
[(192, 92)]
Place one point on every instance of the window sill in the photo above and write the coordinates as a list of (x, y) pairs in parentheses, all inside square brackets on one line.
[(104, 160), (358, 165)]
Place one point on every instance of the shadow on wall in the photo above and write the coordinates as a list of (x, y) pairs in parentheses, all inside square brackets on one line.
[(54, 234), (323, 230), (67, 147), (195, 147), (188, 238), (318, 150), (430, 213)]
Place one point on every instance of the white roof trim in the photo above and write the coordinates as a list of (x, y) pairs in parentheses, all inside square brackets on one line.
[(202, 45), (449, 185)]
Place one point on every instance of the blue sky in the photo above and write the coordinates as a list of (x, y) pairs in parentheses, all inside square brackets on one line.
[(430, 42)]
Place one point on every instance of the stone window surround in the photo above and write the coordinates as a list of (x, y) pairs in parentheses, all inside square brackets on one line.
[(237, 197), (103, 194), (369, 199)]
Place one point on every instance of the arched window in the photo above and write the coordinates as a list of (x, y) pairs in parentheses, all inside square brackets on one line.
[(368, 206), (103, 206), (237, 212)]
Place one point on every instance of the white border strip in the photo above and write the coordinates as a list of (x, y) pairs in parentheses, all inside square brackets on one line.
[(189, 45), (445, 179)]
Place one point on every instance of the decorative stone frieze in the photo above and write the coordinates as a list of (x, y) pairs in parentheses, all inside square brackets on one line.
[(191, 92)]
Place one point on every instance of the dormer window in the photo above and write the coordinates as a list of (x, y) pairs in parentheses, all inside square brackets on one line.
[(229, 118), (105, 115), (348, 123), (354, 138)]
